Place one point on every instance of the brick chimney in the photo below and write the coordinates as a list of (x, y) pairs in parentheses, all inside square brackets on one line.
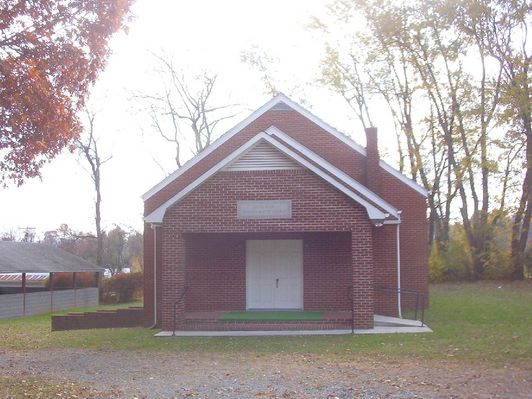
[(372, 160)]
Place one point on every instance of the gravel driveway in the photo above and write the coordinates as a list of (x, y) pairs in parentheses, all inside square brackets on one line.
[(245, 375)]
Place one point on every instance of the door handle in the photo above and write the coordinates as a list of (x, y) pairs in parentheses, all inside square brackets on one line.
[(276, 283)]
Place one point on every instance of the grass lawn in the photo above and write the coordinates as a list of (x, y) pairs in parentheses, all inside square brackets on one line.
[(272, 316), (488, 321)]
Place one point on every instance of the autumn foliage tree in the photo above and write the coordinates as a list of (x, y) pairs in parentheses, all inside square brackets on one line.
[(51, 52)]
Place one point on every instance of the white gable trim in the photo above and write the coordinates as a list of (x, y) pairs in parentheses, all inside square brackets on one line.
[(256, 114), (373, 212), (370, 195)]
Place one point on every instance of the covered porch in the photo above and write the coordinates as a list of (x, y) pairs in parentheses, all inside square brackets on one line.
[(308, 271), (327, 275)]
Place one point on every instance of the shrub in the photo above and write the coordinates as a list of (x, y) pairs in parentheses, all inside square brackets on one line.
[(65, 280), (451, 262), (499, 265), (123, 287), (436, 265), (454, 262), (458, 262)]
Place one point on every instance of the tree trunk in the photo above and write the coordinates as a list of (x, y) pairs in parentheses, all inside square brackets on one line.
[(99, 237), (522, 217), (432, 227)]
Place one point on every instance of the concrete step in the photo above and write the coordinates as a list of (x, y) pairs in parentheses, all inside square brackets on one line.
[(389, 321)]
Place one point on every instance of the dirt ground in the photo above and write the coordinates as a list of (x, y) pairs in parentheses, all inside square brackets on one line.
[(192, 375)]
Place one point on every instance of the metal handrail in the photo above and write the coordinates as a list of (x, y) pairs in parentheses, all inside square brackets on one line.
[(419, 295), (175, 307)]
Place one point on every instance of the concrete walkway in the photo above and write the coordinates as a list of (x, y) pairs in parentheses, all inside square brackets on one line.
[(383, 325)]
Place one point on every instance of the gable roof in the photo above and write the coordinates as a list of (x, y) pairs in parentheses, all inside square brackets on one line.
[(279, 100), (376, 207)]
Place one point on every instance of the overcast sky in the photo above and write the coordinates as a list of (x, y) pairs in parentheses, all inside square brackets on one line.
[(199, 35)]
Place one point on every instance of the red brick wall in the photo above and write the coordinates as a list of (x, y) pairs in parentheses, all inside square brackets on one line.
[(129, 317), (316, 207), (327, 271), (215, 272), (385, 271), (148, 299), (173, 276), (362, 276), (413, 237)]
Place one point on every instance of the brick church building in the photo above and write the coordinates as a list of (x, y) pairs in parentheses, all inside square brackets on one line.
[(283, 213)]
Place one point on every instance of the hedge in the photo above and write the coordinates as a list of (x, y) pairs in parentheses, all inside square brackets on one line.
[(123, 287)]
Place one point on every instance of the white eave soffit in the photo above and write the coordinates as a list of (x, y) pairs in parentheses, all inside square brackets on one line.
[(280, 98), (347, 185)]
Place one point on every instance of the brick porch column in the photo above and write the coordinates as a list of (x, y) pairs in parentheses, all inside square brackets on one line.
[(362, 275), (173, 277)]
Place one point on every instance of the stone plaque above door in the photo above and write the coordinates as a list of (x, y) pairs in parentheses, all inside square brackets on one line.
[(264, 209)]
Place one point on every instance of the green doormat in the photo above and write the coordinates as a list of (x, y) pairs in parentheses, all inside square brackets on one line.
[(263, 315)]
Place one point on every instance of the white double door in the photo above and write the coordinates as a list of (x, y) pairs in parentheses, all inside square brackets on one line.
[(274, 274)]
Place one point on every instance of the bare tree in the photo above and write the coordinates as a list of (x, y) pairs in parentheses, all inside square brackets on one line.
[(182, 111), (374, 67), (263, 63), (266, 65), (8, 235), (87, 146), (28, 234), (506, 39), (350, 81), (417, 56)]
